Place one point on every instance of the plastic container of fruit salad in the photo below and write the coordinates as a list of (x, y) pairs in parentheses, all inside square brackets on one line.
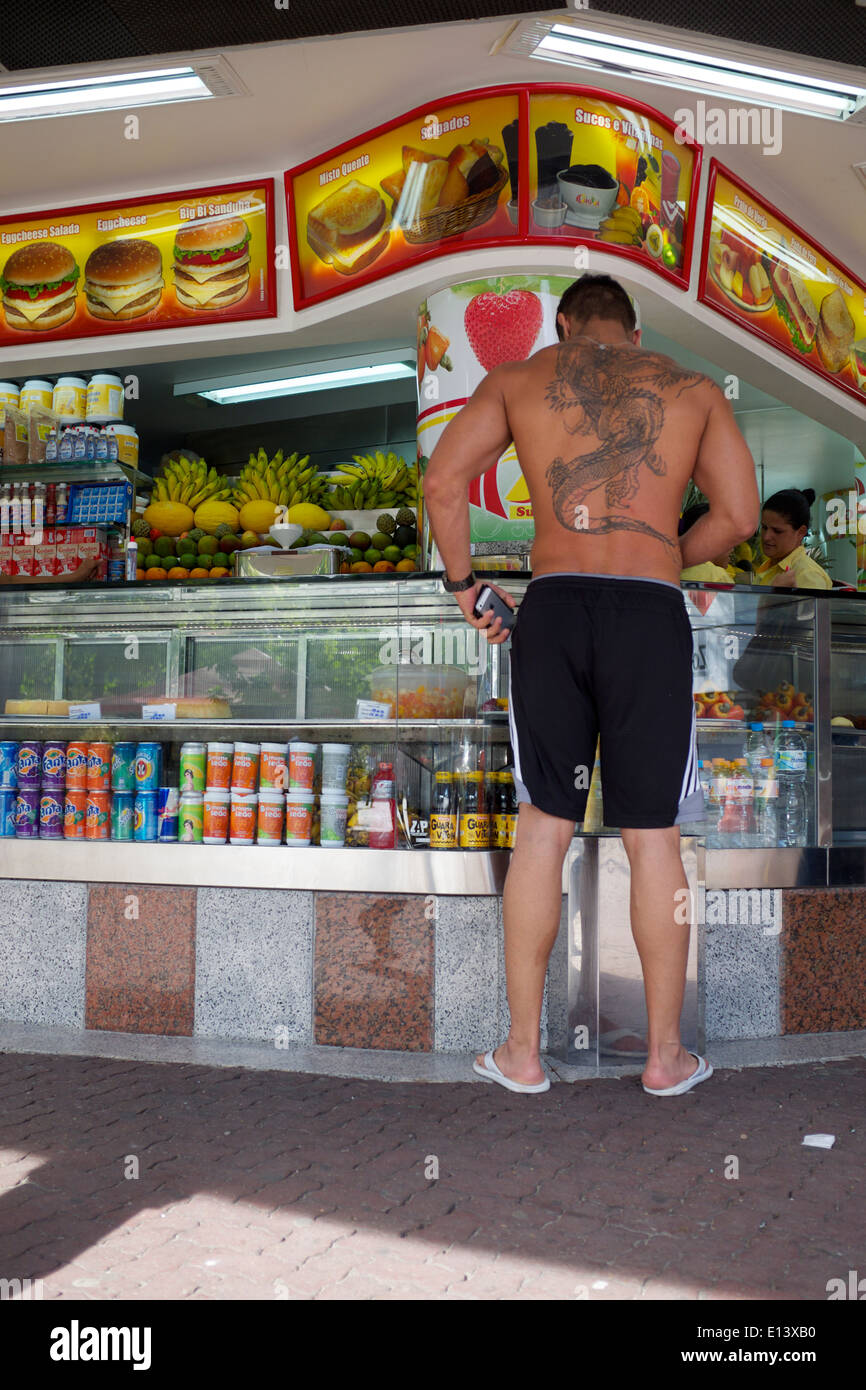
[(423, 692)]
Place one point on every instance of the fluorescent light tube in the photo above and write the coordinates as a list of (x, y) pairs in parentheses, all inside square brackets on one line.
[(22, 101), (314, 381), (652, 62)]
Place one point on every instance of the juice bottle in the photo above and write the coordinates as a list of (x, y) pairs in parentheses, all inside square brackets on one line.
[(383, 817), (443, 816)]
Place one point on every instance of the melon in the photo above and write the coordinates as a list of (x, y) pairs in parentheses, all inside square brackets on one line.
[(169, 517), (308, 515), (210, 515), (258, 516)]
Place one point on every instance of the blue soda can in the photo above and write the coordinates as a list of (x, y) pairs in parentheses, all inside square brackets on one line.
[(123, 767), (167, 807), (7, 813), (148, 767), (144, 823), (8, 764), (122, 815)]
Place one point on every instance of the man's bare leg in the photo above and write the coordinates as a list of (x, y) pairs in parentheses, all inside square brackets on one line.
[(531, 908), (662, 941)]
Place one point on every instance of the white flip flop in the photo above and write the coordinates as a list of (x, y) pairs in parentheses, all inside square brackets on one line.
[(703, 1073), (491, 1072)]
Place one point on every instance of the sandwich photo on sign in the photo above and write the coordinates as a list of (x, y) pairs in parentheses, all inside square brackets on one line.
[(39, 285), (430, 184), (212, 263), (795, 306), (348, 230), (123, 279), (836, 330)]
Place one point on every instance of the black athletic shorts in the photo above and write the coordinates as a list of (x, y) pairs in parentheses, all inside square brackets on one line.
[(606, 657)]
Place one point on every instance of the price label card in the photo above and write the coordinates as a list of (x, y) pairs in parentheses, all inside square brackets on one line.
[(372, 709), (159, 714), (90, 711)]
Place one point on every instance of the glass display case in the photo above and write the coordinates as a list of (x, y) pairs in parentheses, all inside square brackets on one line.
[(388, 671)]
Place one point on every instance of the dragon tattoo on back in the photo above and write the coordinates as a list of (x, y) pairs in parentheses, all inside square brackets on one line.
[(618, 395)]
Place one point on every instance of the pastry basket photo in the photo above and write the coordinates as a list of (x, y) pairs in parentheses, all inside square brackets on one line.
[(446, 222)]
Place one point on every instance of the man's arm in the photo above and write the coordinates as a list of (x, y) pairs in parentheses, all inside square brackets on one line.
[(471, 444), (725, 473)]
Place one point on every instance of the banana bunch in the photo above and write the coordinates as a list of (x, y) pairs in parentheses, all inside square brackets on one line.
[(286, 481), (191, 482), (623, 227), (374, 480)]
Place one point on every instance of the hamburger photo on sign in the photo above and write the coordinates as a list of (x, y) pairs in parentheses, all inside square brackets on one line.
[(39, 284), (212, 263), (123, 279)]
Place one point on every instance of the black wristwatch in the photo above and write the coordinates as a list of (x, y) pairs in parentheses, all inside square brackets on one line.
[(457, 586)]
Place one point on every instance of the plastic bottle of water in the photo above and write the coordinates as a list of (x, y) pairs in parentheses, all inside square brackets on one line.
[(712, 780), (791, 772), (766, 805), (757, 747)]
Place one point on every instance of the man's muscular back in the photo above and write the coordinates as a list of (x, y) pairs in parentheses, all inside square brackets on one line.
[(607, 437)]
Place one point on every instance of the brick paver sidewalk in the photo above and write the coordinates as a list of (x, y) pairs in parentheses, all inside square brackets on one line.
[(260, 1185)]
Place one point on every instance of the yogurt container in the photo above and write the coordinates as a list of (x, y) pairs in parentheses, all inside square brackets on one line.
[(333, 810), (270, 818), (104, 398), (299, 817), (219, 765), (273, 772), (245, 769), (36, 392), (216, 816), (335, 765), (69, 399), (243, 817), (127, 443)]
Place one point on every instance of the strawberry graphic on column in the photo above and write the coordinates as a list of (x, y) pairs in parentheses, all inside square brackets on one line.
[(503, 327)]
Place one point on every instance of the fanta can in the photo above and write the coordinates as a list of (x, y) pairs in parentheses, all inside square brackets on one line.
[(76, 764), (51, 809), (29, 766), (98, 822), (74, 813), (53, 763), (98, 767)]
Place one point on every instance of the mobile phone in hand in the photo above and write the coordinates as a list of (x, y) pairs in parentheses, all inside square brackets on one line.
[(489, 600)]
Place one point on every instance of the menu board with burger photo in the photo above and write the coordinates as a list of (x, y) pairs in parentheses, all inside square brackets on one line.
[(439, 179), (203, 256), (611, 174), (764, 274)]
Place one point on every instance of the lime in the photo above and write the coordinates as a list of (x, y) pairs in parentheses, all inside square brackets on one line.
[(380, 542), (372, 556), (208, 545), (357, 555), (410, 552), (204, 562), (392, 553)]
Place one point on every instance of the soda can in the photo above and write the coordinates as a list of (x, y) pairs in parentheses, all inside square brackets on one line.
[(76, 764), (98, 767), (193, 757), (148, 767), (123, 767), (29, 762), (8, 764), (8, 798), (98, 818), (167, 806), (122, 815), (191, 818), (74, 813), (144, 823), (54, 763), (51, 813), (26, 813)]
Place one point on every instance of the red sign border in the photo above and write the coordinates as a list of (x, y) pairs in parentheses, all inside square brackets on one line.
[(816, 367), (523, 237), (57, 335)]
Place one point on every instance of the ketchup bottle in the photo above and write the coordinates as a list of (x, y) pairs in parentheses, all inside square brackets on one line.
[(383, 831)]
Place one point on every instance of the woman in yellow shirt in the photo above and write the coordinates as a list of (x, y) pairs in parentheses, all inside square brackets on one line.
[(784, 523)]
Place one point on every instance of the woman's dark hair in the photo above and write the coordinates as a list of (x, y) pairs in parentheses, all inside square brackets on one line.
[(596, 297), (792, 504), (691, 515)]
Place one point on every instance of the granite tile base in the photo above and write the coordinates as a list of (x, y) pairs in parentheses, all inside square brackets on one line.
[(740, 962), (823, 960), (263, 990), (468, 948), (374, 970), (43, 933), (140, 959)]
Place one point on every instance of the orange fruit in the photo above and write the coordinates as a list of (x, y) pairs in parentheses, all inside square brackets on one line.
[(140, 574), (405, 565), (383, 567), (344, 568), (198, 573), (178, 572), (155, 572), (337, 525), (218, 571), (361, 567)]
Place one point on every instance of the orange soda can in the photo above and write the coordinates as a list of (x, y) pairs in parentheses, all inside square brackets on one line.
[(98, 823), (76, 763), (74, 813), (98, 767)]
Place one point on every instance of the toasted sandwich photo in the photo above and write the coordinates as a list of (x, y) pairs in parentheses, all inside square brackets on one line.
[(858, 359), (796, 306), (836, 331), (348, 230)]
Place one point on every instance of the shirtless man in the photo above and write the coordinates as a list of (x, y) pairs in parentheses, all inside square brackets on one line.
[(607, 435)]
